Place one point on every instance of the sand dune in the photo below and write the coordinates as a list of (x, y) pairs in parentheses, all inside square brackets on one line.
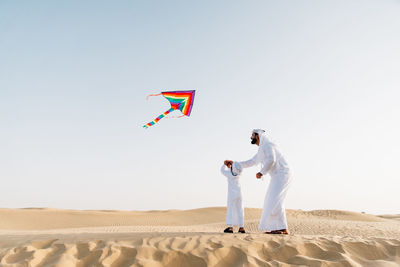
[(50, 237)]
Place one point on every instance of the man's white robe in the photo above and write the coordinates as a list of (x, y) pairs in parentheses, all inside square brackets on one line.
[(272, 162), (234, 211)]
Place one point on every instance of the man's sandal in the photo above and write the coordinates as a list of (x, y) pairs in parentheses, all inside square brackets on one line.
[(278, 232), (242, 231)]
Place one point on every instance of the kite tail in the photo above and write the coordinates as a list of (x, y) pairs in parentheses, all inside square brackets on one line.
[(158, 118), (147, 97)]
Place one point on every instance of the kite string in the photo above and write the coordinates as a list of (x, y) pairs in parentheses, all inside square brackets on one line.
[(147, 97)]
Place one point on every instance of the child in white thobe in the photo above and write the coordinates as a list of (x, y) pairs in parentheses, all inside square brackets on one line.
[(235, 211)]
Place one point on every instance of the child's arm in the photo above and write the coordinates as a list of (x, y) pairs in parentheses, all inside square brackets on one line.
[(224, 170)]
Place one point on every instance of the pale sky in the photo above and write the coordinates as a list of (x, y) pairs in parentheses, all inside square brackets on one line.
[(321, 77)]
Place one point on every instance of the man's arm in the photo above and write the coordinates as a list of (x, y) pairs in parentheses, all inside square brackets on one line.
[(270, 159), (249, 163)]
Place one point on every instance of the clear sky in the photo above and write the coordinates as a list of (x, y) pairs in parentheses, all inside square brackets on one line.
[(321, 77)]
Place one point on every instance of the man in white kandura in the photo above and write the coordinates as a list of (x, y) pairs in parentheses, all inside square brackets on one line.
[(273, 219), (234, 209)]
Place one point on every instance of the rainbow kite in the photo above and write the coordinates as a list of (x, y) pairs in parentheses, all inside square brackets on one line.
[(182, 100)]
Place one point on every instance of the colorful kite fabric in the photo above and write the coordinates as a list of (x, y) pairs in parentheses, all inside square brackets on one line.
[(182, 100)]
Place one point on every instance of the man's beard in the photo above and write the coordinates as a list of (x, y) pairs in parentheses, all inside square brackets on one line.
[(253, 141)]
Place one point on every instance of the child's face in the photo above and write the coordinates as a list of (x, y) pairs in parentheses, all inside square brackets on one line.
[(229, 165)]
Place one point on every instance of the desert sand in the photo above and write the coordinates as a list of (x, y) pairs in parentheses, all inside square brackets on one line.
[(51, 237)]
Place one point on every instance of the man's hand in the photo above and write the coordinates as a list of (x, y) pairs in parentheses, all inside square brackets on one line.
[(259, 175), (228, 163)]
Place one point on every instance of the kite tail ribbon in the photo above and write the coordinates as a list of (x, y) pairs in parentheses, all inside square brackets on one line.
[(158, 118), (175, 117), (147, 97)]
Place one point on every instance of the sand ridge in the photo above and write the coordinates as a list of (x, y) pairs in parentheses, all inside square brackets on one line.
[(51, 237)]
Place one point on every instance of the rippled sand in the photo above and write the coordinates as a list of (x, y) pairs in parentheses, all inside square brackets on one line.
[(49, 237)]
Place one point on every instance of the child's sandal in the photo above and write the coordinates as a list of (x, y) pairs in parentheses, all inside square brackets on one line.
[(228, 230)]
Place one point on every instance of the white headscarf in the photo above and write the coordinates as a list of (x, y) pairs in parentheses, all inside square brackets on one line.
[(259, 131), (261, 135)]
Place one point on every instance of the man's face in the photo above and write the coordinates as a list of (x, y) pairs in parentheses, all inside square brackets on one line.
[(254, 138)]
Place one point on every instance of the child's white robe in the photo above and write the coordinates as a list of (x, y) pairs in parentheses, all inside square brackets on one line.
[(234, 211), (273, 215)]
